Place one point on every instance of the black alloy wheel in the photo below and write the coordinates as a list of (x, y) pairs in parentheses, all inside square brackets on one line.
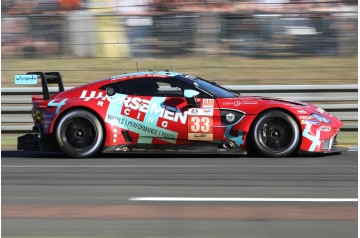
[(275, 134), (79, 134)]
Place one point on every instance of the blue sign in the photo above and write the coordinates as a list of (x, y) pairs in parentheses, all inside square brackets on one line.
[(26, 79)]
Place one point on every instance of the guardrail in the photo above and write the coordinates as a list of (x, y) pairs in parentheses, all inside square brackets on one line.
[(340, 100)]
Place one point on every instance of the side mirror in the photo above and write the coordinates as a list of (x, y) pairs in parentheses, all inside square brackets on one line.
[(189, 93)]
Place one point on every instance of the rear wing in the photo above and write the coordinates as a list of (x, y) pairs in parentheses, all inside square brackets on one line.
[(49, 78)]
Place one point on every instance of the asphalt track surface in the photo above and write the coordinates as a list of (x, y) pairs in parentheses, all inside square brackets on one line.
[(49, 195)]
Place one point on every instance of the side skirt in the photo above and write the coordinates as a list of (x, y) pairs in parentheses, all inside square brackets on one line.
[(198, 149)]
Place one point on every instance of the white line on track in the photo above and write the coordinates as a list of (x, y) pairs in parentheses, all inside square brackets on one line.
[(353, 149), (205, 199), (108, 166)]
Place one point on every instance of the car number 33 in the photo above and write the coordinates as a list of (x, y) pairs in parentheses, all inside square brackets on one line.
[(200, 124)]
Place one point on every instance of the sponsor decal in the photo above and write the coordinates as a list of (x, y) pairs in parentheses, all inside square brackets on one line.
[(48, 116), (193, 111), (237, 103), (312, 122), (301, 112), (207, 103), (23, 79), (230, 117), (37, 115), (147, 127), (325, 128), (99, 96), (200, 112), (315, 139), (306, 117), (247, 103), (139, 105), (202, 136)]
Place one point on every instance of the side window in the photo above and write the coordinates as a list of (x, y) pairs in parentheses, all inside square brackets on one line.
[(113, 88), (160, 87), (140, 87)]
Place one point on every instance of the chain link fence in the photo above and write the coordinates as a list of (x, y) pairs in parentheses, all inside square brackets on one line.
[(292, 31)]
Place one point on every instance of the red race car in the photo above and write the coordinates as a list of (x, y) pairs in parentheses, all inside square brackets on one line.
[(172, 112)]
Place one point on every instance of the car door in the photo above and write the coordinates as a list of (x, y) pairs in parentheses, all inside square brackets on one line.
[(152, 115)]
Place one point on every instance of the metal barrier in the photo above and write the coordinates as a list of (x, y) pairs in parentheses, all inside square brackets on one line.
[(340, 100)]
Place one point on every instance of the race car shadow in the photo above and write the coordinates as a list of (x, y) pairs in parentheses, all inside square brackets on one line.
[(134, 155), (129, 155), (31, 154)]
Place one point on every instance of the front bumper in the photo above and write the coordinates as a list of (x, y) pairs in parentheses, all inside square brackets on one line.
[(35, 142)]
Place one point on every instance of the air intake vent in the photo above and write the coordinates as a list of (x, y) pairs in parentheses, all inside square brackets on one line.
[(230, 116)]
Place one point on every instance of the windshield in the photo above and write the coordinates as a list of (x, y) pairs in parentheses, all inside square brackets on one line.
[(210, 87)]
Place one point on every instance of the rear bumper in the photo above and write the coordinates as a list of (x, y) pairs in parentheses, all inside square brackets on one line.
[(35, 142)]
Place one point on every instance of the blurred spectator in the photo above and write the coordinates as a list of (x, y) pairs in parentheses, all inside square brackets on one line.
[(178, 27), (138, 25), (174, 27), (13, 35), (70, 4), (6, 5), (31, 35), (44, 6)]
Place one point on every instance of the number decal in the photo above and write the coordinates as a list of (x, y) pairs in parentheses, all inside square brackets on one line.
[(206, 124), (200, 124), (58, 105), (195, 124)]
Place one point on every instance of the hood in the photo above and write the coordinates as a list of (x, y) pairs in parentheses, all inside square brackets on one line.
[(283, 100), (253, 100)]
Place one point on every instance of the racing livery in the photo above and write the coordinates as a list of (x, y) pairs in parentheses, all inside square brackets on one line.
[(172, 112)]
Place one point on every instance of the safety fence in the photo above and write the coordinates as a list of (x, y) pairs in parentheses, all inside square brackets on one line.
[(339, 100), (86, 33)]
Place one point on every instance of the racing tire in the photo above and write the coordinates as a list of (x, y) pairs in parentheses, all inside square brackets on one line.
[(79, 134), (275, 134)]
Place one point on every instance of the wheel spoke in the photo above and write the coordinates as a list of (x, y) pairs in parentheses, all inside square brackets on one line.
[(276, 134), (80, 133)]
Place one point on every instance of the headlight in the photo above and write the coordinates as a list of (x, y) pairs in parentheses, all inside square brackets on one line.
[(320, 118)]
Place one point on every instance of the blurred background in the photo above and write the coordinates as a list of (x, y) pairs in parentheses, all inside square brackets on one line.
[(229, 41), (232, 42), (242, 42)]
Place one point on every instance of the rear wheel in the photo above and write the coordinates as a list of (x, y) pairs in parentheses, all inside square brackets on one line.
[(275, 134), (79, 134)]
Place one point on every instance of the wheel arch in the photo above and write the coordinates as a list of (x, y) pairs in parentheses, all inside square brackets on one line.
[(63, 113), (289, 112)]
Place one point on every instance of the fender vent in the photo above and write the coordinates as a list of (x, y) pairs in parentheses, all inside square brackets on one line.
[(230, 116)]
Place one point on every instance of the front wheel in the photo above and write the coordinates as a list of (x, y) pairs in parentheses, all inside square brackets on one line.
[(79, 134), (275, 134)]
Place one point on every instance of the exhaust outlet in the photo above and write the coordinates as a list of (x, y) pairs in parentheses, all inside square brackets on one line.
[(228, 145)]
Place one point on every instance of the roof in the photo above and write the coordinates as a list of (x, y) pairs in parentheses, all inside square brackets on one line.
[(164, 74)]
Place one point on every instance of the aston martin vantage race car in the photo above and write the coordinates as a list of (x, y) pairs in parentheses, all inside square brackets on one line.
[(171, 112)]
